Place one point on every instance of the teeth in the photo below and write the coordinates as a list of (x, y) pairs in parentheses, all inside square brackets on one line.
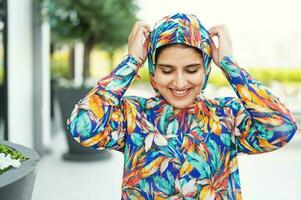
[(179, 92)]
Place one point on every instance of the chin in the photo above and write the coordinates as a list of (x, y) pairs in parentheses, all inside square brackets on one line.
[(181, 105)]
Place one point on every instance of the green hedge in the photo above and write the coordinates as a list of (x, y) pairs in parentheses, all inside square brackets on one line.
[(59, 68), (1, 75), (284, 75), (59, 64), (264, 75)]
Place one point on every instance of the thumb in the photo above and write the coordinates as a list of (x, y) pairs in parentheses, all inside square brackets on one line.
[(146, 42), (146, 46), (212, 44), (214, 52)]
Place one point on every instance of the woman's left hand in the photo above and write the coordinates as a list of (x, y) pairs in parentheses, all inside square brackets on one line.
[(224, 43)]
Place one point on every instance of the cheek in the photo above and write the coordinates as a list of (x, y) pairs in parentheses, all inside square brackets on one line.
[(162, 80), (197, 79)]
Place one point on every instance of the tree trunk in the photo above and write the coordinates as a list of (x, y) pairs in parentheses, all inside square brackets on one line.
[(87, 51), (111, 62), (71, 62)]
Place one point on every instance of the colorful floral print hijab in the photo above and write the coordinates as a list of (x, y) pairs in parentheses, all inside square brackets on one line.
[(183, 29)]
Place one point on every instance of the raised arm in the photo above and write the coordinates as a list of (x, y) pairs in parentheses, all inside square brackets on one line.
[(98, 119), (262, 122)]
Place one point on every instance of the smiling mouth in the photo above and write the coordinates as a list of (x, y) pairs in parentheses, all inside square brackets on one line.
[(179, 93)]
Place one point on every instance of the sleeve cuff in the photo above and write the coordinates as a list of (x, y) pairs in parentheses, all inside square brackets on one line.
[(133, 60), (228, 59)]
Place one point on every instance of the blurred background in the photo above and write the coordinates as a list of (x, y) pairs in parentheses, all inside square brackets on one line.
[(53, 51)]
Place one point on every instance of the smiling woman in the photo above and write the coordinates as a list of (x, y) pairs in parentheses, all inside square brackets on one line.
[(179, 74), (180, 144)]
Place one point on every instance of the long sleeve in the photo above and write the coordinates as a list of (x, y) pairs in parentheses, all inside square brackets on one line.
[(262, 122), (98, 120)]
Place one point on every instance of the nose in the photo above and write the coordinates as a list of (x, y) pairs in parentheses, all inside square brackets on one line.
[(180, 81)]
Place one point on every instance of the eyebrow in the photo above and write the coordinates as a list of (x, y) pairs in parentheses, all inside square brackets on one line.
[(171, 66)]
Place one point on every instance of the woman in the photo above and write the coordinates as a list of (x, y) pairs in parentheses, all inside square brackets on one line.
[(180, 144)]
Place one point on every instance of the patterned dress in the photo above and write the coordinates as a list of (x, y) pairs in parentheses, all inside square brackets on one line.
[(189, 153)]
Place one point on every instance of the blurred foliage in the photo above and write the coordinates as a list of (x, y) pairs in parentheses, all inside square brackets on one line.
[(1, 75), (265, 75), (85, 20), (284, 75), (59, 64), (2, 13), (144, 74), (106, 23), (217, 78)]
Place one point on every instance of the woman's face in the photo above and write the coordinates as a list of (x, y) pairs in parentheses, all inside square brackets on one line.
[(179, 75)]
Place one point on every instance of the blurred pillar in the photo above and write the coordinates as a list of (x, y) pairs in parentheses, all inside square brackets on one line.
[(28, 76), (78, 63), (41, 81), (20, 72)]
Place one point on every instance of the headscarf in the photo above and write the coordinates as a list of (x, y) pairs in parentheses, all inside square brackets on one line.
[(183, 29)]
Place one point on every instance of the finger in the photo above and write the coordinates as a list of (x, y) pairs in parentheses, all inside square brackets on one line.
[(143, 32), (148, 27), (143, 24), (220, 26), (146, 34), (142, 29), (214, 30), (212, 44), (214, 33), (139, 31), (219, 32), (146, 43), (136, 27)]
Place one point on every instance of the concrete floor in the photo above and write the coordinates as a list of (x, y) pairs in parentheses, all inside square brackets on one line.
[(58, 179), (271, 176)]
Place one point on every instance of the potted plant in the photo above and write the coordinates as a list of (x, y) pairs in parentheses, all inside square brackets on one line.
[(68, 95), (17, 171)]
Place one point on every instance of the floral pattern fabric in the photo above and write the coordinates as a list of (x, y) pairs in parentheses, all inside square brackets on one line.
[(181, 154)]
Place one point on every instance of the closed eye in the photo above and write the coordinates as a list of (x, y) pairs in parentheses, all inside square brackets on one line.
[(188, 71), (167, 72), (192, 71)]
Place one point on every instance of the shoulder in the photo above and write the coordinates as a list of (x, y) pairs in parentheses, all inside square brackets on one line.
[(135, 101)]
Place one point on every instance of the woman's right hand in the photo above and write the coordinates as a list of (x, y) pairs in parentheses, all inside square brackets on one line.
[(138, 41)]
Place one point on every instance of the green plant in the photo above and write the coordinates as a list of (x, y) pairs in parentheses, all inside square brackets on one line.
[(283, 75), (144, 74), (1, 75), (14, 154), (59, 64), (266, 75), (106, 23)]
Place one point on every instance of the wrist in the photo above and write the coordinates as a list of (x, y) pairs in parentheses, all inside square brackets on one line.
[(136, 61), (226, 58), (139, 60)]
